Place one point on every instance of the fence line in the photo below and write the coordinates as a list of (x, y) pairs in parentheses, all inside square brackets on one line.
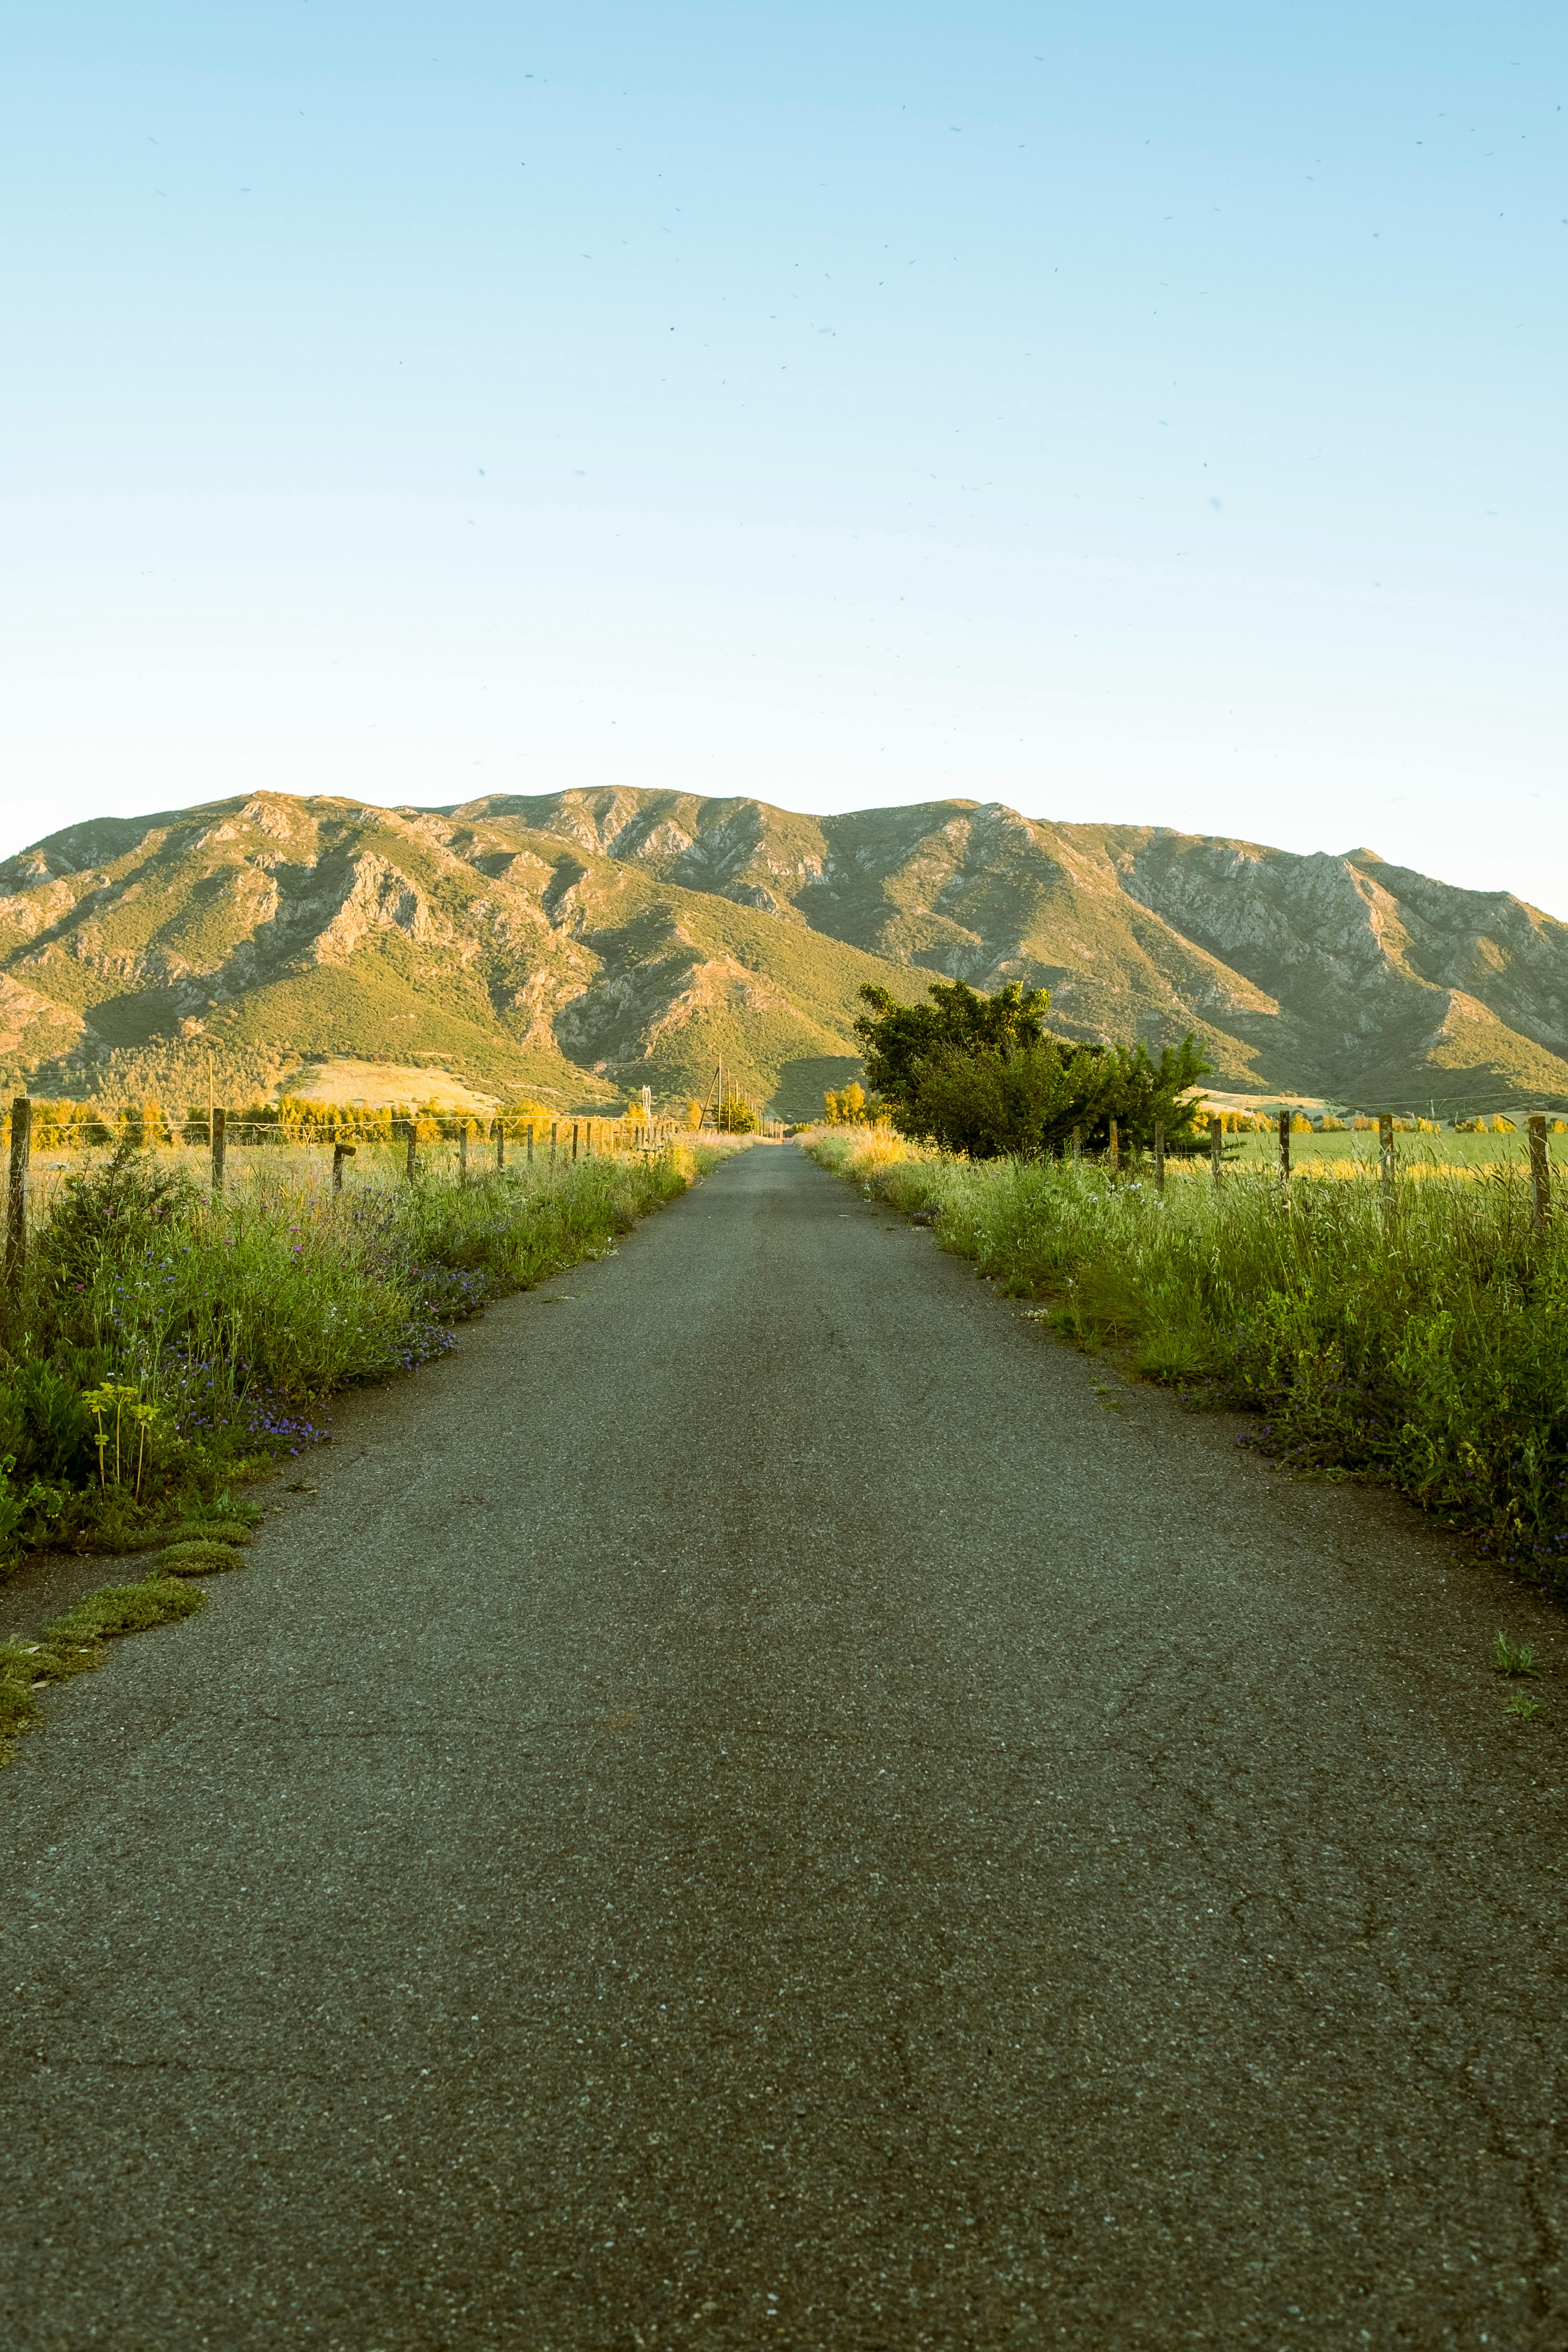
[(1539, 1127), (99, 1131), (96, 1130), (24, 1133)]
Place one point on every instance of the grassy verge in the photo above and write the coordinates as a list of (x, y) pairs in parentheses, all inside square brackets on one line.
[(1428, 1348), (164, 1345)]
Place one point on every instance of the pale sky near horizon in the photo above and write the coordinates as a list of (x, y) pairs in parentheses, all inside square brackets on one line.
[(1131, 415)]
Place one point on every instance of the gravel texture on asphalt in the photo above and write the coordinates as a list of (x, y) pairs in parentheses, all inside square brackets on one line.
[(754, 1807)]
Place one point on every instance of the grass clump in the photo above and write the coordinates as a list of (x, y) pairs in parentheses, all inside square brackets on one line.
[(1423, 1342), (73, 1645), (124, 1609), (204, 1558), (218, 1531), (1509, 1660), (19, 1709)]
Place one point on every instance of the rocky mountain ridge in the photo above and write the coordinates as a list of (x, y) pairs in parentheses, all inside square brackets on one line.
[(576, 944)]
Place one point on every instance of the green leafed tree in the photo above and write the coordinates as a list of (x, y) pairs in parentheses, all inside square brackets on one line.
[(983, 1075)]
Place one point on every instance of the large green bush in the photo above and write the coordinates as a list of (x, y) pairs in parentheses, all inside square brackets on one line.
[(983, 1076)]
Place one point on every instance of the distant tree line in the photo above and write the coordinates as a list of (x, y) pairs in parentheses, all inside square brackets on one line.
[(70, 1126)]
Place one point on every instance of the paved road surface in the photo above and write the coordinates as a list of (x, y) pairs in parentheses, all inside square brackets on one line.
[(754, 1810)]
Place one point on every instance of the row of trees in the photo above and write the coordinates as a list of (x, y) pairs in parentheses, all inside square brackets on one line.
[(71, 1126), (295, 1118), (982, 1075)]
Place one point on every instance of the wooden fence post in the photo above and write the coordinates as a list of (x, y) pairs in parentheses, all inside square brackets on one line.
[(220, 1137), (1540, 1171), (1159, 1155), (462, 1152), (1115, 1152), (1285, 1148), (340, 1151), (531, 1143), (500, 1142), (410, 1133), (1385, 1157), (554, 1130), (16, 1198), (1216, 1147), (573, 1142)]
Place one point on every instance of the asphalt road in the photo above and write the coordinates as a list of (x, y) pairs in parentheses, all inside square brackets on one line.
[(752, 1809)]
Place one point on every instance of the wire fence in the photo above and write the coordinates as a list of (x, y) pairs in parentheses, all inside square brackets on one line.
[(311, 1150), (44, 1139), (71, 1127), (68, 1127)]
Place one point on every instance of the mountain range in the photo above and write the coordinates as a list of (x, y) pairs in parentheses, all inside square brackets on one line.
[(574, 946)]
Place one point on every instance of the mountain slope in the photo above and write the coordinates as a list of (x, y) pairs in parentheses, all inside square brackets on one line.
[(272, 931), (578, 944), (1340, 976)]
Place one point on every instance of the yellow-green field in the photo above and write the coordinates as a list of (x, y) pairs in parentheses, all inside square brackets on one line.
[(1415, 1155), (270, 1170)]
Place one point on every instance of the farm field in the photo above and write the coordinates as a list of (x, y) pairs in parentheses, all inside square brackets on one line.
[(1417, 1155), (276, 1174)]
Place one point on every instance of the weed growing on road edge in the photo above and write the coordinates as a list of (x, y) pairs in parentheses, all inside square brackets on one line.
[(73, 1645), (1424, 1346), (216, 1532), (1530, 1709), (1506, 1660), (205, 1559)]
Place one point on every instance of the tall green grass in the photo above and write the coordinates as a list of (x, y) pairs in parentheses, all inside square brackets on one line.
[(1427, 1346), (165, 1342)]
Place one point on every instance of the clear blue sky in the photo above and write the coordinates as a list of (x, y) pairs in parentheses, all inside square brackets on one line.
[(1128, 412)]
